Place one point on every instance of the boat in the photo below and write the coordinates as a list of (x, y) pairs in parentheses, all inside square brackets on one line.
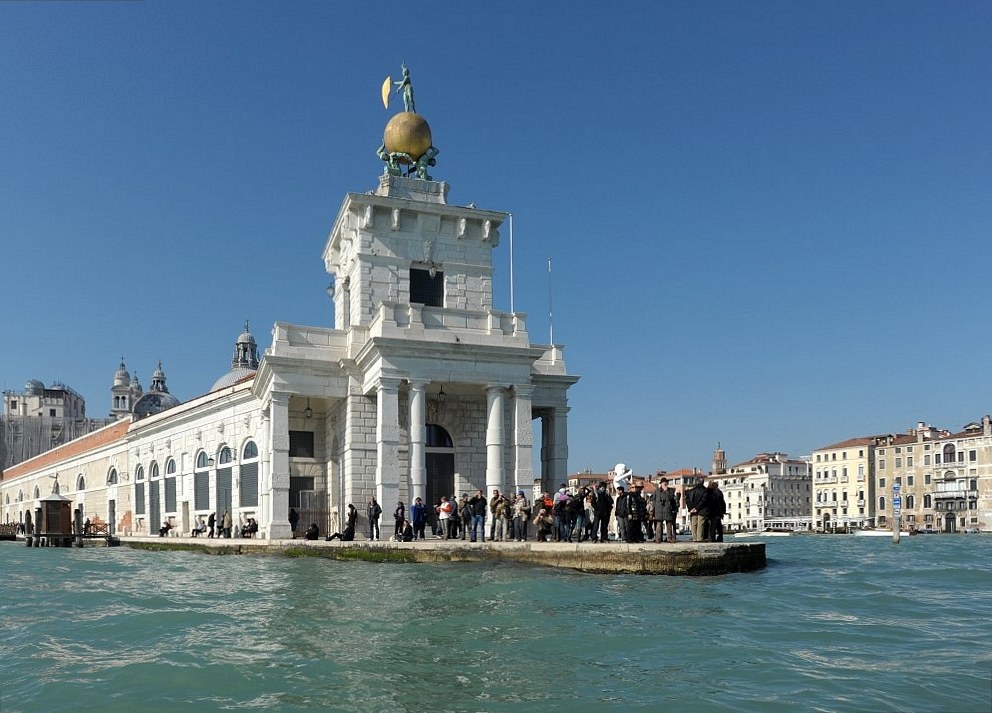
[(879, 533), (767, 532)]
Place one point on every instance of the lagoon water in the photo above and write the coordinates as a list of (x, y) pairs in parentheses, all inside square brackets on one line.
[(835, 623)]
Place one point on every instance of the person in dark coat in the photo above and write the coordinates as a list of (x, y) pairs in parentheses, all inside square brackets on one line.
[(349, 527), (621, 512), (636, 513), (666, 510), (697, 501), (602, 505), (418, 511), (399, 516), (718, 508), (211, 521), (312, 532), (294, 520)]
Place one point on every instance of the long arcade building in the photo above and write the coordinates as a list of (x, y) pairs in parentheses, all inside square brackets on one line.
[(421, 390)]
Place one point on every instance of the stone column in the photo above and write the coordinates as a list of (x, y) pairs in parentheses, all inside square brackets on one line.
[(387, 439), (418, 437), (558, 450), (494, 437), (523, 438), (279, 466)]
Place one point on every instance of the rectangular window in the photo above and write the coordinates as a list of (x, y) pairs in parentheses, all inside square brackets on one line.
[(926, 479), (249, 485), (972, 456), (909, 461), (881, 482), (910, 480), (926, 459), (881, 464), (170, 495), (898, 462), (426, 289), (301, 444), (201, 491), (139, 498), (51, 412)]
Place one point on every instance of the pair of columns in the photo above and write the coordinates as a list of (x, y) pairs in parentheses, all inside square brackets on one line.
[(523, 441)]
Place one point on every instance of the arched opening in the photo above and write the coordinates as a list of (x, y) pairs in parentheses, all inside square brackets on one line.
[(950, 522), (248, 476), (439, 455)]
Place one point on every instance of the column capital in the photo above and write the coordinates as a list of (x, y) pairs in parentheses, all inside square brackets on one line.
[(388, 383), (280, 398), (496, 387), (418, 384), (523, 389)]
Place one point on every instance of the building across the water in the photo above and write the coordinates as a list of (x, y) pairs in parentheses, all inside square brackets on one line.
[(422, 389)]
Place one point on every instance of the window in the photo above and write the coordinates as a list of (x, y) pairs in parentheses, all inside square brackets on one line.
[(170, 466), (225, 455), (201, 482), (153, 471), (927, 501), (248, 486), (910, 502), (898, 449), (972, 456), (910, 480), (80, 482), (426, 289), (51, 413), (250, 451), (139, 473), (881, 464), (881, 502), (926, 459), (301, 444), (909, 461), (926, 479), (881, 482), (201, 460), (898, 462), (112, 477)]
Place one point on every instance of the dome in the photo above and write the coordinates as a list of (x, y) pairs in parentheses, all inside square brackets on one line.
[(154, 402), (121, 377), (244, 362), (407, 133), (232, 377), (34, 387)]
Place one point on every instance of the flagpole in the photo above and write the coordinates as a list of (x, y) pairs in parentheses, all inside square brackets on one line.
[(511, 263), (551, 328)]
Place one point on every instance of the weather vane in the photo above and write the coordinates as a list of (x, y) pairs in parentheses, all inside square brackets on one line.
[(407, 147)]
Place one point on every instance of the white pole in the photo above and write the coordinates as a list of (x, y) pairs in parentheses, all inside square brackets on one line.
[(511, 263), (551, 328)]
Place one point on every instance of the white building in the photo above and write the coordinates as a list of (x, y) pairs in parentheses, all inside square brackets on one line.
[(769, 490), (423, 389)]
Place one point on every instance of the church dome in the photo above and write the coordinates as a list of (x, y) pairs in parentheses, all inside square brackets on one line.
[(244, 363), (121, 377), (154, 402), (157, 399)]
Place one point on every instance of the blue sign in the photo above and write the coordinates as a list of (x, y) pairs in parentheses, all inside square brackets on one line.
[(896, 502), (896, 487)]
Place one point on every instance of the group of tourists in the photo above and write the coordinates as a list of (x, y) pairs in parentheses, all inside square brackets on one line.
[(587, 514)]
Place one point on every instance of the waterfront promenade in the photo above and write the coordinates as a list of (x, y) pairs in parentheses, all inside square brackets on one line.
[(682, 558)]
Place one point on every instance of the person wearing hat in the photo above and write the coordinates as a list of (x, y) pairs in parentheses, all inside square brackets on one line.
[(666, 510), (697, 502)]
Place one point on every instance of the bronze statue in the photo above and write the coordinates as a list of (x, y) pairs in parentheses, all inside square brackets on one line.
[(406, 86)]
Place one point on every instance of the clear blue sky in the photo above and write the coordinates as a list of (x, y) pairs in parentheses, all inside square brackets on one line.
[(769, 221)]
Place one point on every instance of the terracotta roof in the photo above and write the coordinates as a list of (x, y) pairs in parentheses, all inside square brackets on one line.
[(91, 441), (858, 441)]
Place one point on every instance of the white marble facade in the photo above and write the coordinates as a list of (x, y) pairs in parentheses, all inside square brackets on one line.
[(421, 389)]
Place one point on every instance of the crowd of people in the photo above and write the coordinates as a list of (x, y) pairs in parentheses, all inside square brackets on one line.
[(622, 513)]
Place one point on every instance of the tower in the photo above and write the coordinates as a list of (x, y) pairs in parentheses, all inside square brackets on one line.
[(120, 393), (719, 464)]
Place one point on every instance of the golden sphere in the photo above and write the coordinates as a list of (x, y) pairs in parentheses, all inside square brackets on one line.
[(407, 133)]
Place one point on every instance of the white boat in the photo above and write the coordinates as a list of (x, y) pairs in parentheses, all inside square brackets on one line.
[(879, 533), (769, 532)]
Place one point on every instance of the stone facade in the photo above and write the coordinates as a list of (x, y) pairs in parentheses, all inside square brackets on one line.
[(421, 390)]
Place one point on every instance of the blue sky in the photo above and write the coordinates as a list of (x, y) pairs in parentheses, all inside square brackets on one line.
[(769, 221)]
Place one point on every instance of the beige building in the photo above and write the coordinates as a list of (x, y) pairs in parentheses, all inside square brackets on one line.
[(844, 484), (943, 480)]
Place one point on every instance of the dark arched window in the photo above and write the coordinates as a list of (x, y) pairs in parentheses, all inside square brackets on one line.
[(112, 477), (225, 455), (881, 502), (927, 501), (153, 471), (80, 482), (170, 466), (250, 451), (437, 437), (201, 459), (139, 473)]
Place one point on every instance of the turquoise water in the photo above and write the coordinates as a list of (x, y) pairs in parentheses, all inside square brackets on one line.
[(834, 623)]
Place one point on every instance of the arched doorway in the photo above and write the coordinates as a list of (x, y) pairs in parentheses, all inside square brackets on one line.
[(439, 454), (950, 522), (826, 522)]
